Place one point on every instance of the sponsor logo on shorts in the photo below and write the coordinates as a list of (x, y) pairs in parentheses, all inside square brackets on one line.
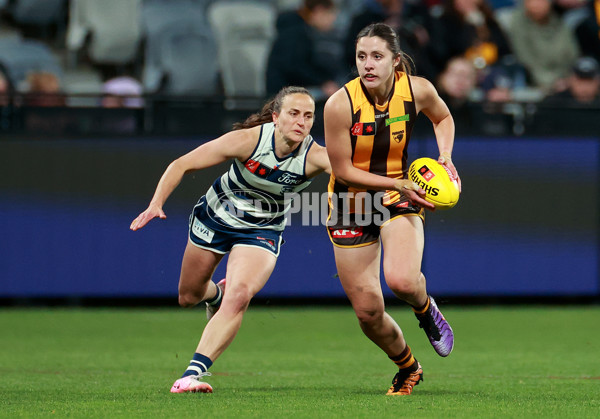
[(201, 231), (343, 233), (270, 243)]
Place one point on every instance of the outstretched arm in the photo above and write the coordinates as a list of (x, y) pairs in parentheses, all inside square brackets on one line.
[(235, 144), (317, 161)]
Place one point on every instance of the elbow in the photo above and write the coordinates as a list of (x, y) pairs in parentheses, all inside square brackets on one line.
[(446, 121), (342, 180), (342, 176), (178, 167), (175, 166)]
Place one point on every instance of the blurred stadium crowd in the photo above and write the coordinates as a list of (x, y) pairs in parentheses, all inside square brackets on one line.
[(505, 60)]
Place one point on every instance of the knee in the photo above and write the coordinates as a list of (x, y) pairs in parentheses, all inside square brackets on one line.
[(369, 318), (404, 286), (187, 300), (190, 296), (237, 300)]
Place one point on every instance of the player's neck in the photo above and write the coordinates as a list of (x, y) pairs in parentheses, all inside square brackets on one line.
[(284, 146), (381, 94)]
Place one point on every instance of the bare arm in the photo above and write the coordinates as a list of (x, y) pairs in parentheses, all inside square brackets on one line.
[(338, 122), (429, 102), (234, 144), (317, 161)]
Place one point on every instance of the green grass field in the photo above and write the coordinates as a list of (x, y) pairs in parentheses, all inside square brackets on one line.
[(298, 362)]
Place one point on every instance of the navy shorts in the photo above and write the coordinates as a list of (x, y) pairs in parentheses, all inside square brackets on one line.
[(206, 233)]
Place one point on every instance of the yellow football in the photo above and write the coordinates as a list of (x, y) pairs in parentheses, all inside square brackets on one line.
[(441, 188)]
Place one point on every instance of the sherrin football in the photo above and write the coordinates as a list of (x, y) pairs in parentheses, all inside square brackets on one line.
[(441, 188)]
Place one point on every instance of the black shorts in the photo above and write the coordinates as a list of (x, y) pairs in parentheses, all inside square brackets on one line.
[(357, 230)]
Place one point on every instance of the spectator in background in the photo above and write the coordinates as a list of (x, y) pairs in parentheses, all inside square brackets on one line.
[(583, 85), (4, 90), (457, 86), (458, 82), (543, 44), (575, 109), (468, 28), (5, 99), (43, 89), (588, 31), (568, 8), (122, 92), (293, 60), (461, 82), (409, 18)]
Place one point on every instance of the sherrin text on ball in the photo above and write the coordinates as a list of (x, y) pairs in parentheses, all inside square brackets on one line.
[(441, 188)]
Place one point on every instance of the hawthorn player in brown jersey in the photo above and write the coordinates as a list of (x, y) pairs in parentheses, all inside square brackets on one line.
[(368, 125)]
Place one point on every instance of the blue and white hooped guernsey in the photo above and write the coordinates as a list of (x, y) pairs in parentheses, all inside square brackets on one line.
[(252, 194)]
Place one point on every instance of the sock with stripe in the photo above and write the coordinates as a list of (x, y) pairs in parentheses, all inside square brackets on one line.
[(198, 365), (405, 361), (216, 300), (419, 311)]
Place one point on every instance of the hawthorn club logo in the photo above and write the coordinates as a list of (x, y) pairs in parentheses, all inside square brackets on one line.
[(398, 135)]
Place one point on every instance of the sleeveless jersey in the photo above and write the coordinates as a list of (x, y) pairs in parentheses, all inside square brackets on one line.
[(255, 193), (379, 135)]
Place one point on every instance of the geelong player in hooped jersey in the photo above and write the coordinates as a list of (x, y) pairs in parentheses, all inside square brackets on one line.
[(242, 214), (368, 125)]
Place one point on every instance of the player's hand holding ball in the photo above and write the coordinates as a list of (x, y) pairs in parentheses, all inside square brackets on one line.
[(446, 160), (414, 193), (439, 179)]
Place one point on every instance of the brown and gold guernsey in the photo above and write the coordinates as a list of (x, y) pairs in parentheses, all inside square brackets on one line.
[(379, 134)]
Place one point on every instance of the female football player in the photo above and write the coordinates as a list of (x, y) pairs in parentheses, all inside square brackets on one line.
[(243, 214), (368, 123)]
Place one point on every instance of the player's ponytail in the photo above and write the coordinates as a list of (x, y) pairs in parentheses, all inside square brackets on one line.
[(273, 105)]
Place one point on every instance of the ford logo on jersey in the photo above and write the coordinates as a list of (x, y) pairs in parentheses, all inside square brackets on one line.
[(289, 179)]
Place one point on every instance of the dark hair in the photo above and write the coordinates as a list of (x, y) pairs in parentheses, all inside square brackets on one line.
[(449, 8), (311, 4), (483, 31), (273, 105), (389, 35)]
